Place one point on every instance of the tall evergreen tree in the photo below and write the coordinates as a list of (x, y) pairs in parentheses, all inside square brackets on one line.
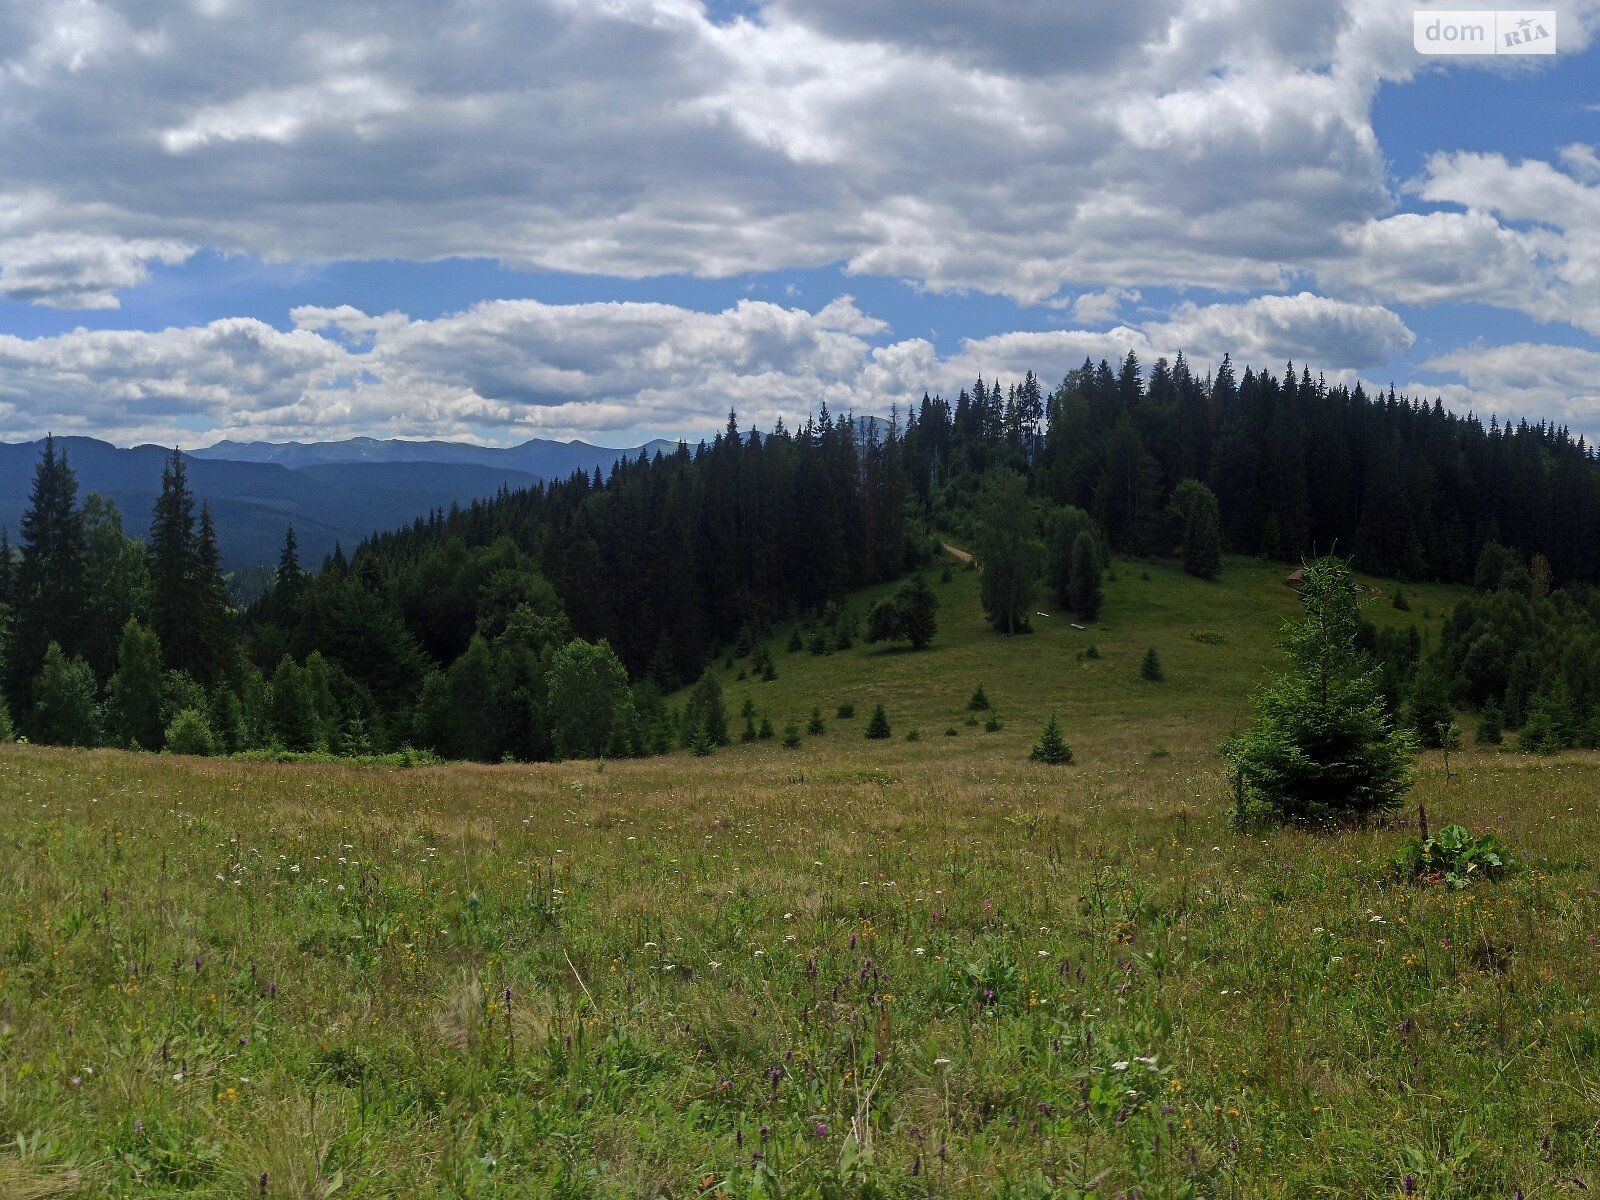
[(117, 575), (174, 611), (215, 635), (51, 581)]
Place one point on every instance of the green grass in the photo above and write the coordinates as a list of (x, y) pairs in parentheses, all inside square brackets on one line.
[(1103, 703), (888, 969)]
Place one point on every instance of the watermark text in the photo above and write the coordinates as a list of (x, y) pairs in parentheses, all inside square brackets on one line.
[(1484, 31)]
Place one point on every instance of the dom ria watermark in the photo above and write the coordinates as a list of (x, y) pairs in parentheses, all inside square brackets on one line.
[(1484, 31)]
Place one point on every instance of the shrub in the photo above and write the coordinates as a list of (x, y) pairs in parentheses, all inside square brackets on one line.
[(952, 732), (190, 733), (993, 724), (764, 733), (845, 712), (1052, 747), (1400, 601), (1150, 669), (814, 726), (796, 643), (912, 735), (878, 727), (1091, 651), (791, 735)]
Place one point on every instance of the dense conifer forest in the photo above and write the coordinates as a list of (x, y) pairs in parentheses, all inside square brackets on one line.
[(551, 622)]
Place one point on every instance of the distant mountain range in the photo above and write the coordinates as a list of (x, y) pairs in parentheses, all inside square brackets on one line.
[(329, 491), (543, 459)]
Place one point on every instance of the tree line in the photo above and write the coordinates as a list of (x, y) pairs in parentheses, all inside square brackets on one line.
[(552, 621)]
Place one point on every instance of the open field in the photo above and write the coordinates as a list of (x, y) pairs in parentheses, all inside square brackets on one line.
[(854, 968)]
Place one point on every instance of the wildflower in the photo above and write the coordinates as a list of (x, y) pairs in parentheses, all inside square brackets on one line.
[(1120, 1066), (822, 1129)]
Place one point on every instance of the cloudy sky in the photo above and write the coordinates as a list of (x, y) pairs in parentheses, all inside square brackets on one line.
[(614, 219)]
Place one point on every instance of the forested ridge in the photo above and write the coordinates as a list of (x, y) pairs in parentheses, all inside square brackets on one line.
[(549, 622)]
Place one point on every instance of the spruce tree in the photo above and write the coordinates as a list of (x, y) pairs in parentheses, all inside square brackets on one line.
[(1062, 528), (1150, 669), (764, 733), (878, 727), (815, 726), (918, 606), (1429, 709), (1052, 747), (1194, 514), (979, 701), (293, 709), (289, 581), (1489, 728), (705, 710), (172, 563), (50, 585), (226, 717), (117, 582), (215, 635), (791, 735), (1321, 747)]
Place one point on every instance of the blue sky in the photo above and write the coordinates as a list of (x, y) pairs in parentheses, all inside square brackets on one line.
[(546, 218)]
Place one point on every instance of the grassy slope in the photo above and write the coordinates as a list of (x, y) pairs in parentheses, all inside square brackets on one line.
[(1109, 713), (917, 967)]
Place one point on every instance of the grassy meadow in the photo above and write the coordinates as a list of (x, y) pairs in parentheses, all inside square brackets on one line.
[(854, 968)]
